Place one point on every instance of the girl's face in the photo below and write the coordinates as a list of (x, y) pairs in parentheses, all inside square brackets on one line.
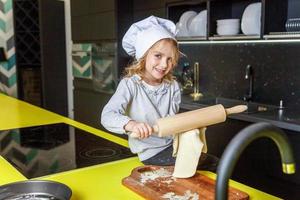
[(159, 62)]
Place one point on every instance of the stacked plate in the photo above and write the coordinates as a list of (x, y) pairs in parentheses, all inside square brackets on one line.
[(182, 25), (292, 25), (197, 27), (192, 23), (228, 27), (251, 19)]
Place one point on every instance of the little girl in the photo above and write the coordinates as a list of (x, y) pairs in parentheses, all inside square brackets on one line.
[(148, 91)]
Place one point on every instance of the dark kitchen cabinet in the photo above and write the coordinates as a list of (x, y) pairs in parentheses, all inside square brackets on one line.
[(143, 9), (98, 20), (39, 27), (93, 20), (88, 103)]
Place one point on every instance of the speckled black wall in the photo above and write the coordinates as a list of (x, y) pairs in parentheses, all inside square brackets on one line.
[(222, 70)]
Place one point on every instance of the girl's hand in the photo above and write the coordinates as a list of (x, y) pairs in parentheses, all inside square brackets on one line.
[(143, 130)]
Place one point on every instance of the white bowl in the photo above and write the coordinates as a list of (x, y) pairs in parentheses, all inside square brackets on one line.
[(251, 19), (197, 26), (228, 21), (183, 22), (228, 30)]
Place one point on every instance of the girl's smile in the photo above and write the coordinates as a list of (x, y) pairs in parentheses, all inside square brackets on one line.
[(159, 62)]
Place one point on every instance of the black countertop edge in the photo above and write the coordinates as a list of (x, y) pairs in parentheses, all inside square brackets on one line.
[(252, 117)]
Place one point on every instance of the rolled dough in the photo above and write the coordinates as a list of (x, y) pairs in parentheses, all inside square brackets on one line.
[(187, 148)]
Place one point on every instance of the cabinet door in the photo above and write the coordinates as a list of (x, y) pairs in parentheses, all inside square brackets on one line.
[(88, 105), (79, 7), (81, 29), (147, 5), (141, 14), (53, 59), (97, 6), (103, 25), (95, 21), (41, 53)]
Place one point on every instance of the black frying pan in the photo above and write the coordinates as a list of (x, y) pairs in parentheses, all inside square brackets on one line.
[(35, 190)]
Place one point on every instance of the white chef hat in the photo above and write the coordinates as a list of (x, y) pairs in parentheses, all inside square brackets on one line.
[(143, 34)]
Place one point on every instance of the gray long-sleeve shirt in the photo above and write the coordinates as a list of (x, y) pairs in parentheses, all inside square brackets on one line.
[(136, 100)]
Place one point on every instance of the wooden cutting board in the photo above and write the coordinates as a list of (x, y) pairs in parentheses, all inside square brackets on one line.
[(156, 183)]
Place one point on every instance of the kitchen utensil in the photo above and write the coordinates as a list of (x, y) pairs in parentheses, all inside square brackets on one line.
[(193, 119), (251, 19), (197, 26), (35, 189), (157, 183)]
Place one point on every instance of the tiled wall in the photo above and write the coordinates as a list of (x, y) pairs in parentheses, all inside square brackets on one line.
[(96, 61), (8, 81), (82, 60)]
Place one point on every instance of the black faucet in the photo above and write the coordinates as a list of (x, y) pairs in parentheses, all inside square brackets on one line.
[(239, 143), (249, 76)]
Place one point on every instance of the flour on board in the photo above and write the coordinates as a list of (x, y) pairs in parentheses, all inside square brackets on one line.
[(188, 195), (152, 175)]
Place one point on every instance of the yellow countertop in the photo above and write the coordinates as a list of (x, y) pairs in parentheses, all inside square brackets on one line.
[(101, 181)]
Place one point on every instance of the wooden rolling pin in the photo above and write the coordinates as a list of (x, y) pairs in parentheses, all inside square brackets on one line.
[(190, 120)]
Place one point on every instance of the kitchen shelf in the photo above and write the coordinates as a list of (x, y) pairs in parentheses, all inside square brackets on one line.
[(191, 38), (274, 14), (235, 37), (283, 35)]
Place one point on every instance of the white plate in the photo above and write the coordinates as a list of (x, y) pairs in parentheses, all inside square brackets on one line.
[(183, 22), (197, 26), (251, 19)]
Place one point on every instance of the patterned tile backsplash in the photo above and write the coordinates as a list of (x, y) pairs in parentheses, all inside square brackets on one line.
[(82, 60), (96, 62), (8, 81)]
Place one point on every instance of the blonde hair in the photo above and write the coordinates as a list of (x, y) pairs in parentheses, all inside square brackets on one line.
[(138, 66)]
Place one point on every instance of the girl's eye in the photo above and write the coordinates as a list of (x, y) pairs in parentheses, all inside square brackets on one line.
[(157, 55)]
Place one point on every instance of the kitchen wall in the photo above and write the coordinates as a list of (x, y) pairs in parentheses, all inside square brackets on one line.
[(276, 67), (8, 83)]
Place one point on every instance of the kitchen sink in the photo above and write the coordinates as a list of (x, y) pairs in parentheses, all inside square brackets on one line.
[(253, 107)]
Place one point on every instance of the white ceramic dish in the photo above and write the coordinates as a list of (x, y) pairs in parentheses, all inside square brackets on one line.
[(228, 21), (183, 23), (197, 26), (181, 31), (251, 19), (227, 30), (228, 26)]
